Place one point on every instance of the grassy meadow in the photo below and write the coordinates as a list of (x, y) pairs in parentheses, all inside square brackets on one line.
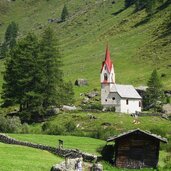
[(19, 158)]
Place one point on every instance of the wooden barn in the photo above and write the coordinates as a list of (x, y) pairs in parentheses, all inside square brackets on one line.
[(136, 149)]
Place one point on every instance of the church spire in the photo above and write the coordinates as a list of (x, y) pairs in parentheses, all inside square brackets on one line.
[(107, 61)]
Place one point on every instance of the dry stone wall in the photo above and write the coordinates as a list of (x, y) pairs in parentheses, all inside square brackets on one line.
[(70, 153)]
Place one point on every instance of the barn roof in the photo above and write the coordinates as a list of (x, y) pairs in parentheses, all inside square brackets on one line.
[(137, 130), (107, 61), (125, 91)]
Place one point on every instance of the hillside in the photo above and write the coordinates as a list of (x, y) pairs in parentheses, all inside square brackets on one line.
[(137, 44), (17, 158)]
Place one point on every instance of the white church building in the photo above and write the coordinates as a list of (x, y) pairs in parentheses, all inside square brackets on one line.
[(124, 98)]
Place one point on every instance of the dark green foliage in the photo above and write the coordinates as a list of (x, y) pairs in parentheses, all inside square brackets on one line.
[(70, 126), (148, 5), (64, 13), (10, 125), (129, 3), (50, 64), (107, 153), (154, 96), (9, 39), (33, 78)]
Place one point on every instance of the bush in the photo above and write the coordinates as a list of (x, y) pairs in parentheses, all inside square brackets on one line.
[(102, 133), (70, 126), (10, 124), (51, 129)]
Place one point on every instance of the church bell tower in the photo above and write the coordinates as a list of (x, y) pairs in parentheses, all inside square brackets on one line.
[(107, 77)]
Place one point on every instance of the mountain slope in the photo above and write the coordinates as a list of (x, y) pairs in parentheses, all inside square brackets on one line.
[(135, 41)]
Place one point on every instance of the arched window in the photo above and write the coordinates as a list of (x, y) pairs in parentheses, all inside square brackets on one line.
[(105, 77)]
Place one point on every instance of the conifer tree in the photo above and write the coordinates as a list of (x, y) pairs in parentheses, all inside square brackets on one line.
[(154, 95), (20, 77), (64, 13), (9, 39)]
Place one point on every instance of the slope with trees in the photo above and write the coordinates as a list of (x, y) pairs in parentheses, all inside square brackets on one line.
[(33, 76)]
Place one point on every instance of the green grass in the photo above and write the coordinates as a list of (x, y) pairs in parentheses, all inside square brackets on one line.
[(19, 158), (84, 144), (135, 51)]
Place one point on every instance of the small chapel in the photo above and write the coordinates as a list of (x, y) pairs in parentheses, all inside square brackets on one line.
[(124, 98)]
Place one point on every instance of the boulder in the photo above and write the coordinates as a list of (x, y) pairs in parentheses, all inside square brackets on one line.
[(92, 94), (68, 108), (53, 111), (85, 100), (97, 167), (167, 108), (81, 82)]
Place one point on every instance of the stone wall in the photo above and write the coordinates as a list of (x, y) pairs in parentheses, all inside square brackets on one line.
[(70, 153)]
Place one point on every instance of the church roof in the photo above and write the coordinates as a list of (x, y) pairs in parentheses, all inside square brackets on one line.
[(107, 61), (125, 91)]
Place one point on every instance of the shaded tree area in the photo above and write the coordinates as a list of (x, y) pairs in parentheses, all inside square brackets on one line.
[(33, 78), (9, 39), (154, 97), (64, 13), (148, 5)]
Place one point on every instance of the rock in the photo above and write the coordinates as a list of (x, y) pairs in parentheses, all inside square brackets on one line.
[(165, 116), (97, 167), (92, 94), (91, 116), (85, 100), (53, 111), (68, 108), (81, 82), (167, 108)]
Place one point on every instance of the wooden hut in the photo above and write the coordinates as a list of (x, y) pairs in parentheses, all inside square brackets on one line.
[(136, 149)]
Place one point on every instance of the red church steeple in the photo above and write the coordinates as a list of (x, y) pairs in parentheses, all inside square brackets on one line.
[(107, 61)]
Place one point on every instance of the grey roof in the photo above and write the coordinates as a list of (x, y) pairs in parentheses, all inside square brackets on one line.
[(132, 131), (125, 91)]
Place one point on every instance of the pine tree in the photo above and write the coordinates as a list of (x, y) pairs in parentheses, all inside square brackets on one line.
[(64, 13), (9, 39), (51, 66), (56, 91), (21, 74), (154, 95)]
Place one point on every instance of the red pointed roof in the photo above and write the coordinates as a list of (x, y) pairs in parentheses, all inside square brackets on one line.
[(107, 61)]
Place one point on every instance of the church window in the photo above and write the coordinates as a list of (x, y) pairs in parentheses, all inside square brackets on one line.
[(113, 98), (105, 77), (106, 100), (127, 101), (139, 103)]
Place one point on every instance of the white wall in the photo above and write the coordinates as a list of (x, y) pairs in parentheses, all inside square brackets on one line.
[(111, 75), (132, 107)]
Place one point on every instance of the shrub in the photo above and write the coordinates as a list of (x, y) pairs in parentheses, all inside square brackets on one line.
[(70, 126), (10, 124), (51, 129)]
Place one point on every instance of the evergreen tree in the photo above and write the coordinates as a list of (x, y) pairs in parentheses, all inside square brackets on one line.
[(22, 75), (64, 13), (9, 39), (154, 95), (128, 3), (51, 66)]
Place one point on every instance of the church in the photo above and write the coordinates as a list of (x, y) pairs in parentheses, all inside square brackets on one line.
[(124, 98)]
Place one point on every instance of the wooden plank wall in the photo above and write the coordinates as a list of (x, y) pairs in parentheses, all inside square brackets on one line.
[(136, 151)]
